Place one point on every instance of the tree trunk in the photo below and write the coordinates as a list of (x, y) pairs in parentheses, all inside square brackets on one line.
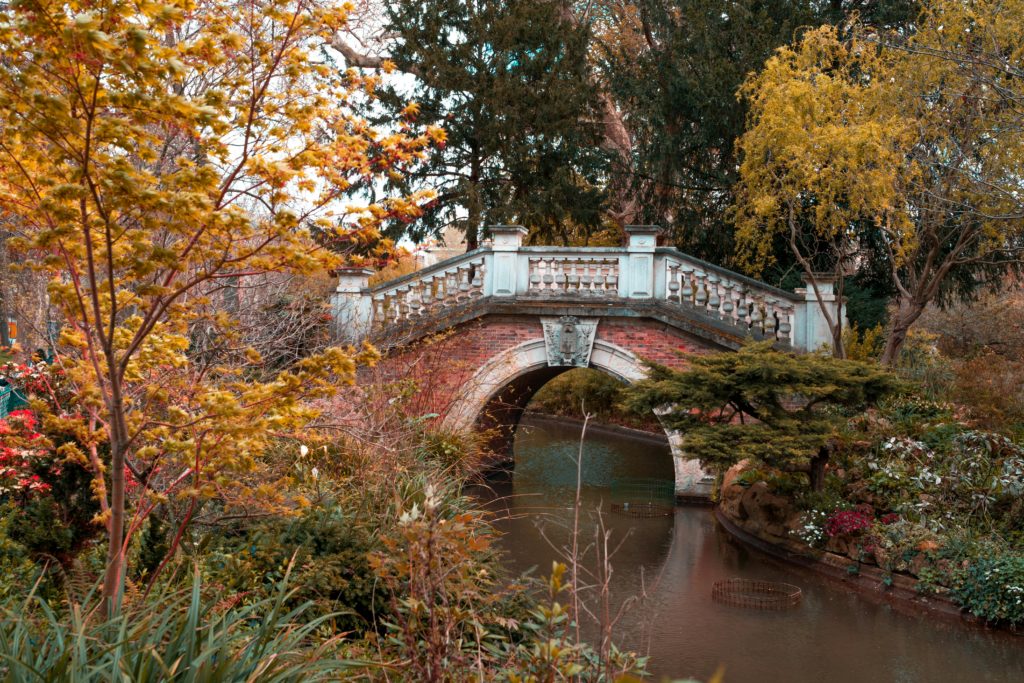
[(817, 471), (114, 575), (907, 313)]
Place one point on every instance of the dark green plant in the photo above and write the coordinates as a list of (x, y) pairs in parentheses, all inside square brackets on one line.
[(993, 588), (155, 545), (775, 408), (328, 547)]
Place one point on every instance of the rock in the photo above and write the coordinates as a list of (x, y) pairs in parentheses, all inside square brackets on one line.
[(766, 513), (731, 492)]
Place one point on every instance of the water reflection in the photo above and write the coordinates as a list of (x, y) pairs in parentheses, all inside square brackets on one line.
[(834, 635)]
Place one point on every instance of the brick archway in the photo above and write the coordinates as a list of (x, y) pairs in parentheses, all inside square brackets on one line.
[(498, 393)]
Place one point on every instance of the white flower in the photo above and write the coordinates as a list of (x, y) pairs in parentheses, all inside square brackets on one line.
[(410, 516), (303, 450), (315, 472)]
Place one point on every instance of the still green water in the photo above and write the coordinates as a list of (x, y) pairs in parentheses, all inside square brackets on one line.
[(671, 562)]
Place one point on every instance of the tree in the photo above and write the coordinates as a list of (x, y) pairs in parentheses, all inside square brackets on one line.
[(894, 149), (779, 409), (151, 156), (509, 84), (673, 69)]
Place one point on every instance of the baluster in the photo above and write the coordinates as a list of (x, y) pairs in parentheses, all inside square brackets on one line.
[(757, 316), (548, 275), (701, 297), (414, 299), (771, 321), (378, 311), (402, 303), (687, 285), (587, 278), (742, 307), (727, 305), (477, 285), (673, 283), (714, 300), (600, 278), (535, 277), (463, 284), (785, 328), (612, 280), (559, 265), (572, 279)]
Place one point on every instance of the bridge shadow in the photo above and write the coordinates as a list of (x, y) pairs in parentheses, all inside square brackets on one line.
[(503, 412)]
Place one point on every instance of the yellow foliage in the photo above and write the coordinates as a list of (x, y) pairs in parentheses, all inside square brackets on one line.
[(150, 154)]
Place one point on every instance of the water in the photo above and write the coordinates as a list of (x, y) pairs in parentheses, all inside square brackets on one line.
[(834, 635)]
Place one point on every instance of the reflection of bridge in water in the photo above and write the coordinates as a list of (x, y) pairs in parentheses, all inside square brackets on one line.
[(523, 315)]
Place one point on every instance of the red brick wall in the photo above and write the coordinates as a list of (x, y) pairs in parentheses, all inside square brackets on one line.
[(442, 365)]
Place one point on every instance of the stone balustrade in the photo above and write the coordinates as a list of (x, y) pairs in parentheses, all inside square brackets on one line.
[(640, 273)]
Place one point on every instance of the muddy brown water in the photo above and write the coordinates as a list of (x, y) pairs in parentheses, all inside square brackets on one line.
[(667, 566)]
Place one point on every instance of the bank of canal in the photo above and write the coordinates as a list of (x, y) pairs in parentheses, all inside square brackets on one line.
[(834, 635)]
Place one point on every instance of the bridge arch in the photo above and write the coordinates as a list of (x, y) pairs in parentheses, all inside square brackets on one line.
[(497, 394)]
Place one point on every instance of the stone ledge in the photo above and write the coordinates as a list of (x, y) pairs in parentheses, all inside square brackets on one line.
[(868, 581)]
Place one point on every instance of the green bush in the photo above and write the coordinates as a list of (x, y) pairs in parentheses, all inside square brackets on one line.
[(993, 588), (329, 549)]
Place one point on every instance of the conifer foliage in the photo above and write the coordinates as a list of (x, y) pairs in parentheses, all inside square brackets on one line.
[(508, 81), (779, 409)]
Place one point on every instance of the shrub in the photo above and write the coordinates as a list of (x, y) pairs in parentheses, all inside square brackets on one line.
[(41, 474), (992, 387), (329, 550), (993, 588)]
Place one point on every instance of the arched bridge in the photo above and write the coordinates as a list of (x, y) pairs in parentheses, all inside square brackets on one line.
[(503, 320)]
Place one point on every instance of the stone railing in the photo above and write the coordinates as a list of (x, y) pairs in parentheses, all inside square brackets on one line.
[(639, 273)]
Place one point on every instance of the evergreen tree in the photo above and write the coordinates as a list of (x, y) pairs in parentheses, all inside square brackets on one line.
[(779, 409), (509, 84)]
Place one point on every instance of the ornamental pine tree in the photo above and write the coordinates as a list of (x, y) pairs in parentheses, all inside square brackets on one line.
[(779, 409)]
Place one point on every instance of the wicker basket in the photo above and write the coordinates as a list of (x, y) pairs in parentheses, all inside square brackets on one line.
[(756, 594)]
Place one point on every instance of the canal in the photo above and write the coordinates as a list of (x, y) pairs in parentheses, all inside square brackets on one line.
[(663, 569)]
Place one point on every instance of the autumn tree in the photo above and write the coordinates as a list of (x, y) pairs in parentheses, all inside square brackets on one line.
[(779, 409), (893, 149), (151, 155)]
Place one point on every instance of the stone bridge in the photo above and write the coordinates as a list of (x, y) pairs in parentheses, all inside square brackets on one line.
[(482, 332)]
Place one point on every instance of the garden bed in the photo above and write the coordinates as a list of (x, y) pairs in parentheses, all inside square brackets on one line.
[(898, 590)]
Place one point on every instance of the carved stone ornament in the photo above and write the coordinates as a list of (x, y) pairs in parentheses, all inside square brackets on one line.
[(569, 340)]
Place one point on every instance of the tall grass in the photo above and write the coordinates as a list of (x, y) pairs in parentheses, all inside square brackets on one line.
[(175, 636)]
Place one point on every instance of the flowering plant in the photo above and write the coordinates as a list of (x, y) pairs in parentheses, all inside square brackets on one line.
[(25, 455), (847, 522)]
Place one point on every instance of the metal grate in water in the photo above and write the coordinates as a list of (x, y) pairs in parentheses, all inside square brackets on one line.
[(754, 594), (643, 497)]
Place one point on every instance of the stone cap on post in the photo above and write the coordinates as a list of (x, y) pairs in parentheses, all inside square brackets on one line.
[(353, 280), (507, 237), (642, 237), (826, 285)]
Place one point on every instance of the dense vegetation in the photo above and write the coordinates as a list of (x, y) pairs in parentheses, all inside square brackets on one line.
[(908, 472), (202, 487)]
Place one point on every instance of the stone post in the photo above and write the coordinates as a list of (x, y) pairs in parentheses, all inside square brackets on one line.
[(351, 305), (811, 330), (637, 278), (504, 269)]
